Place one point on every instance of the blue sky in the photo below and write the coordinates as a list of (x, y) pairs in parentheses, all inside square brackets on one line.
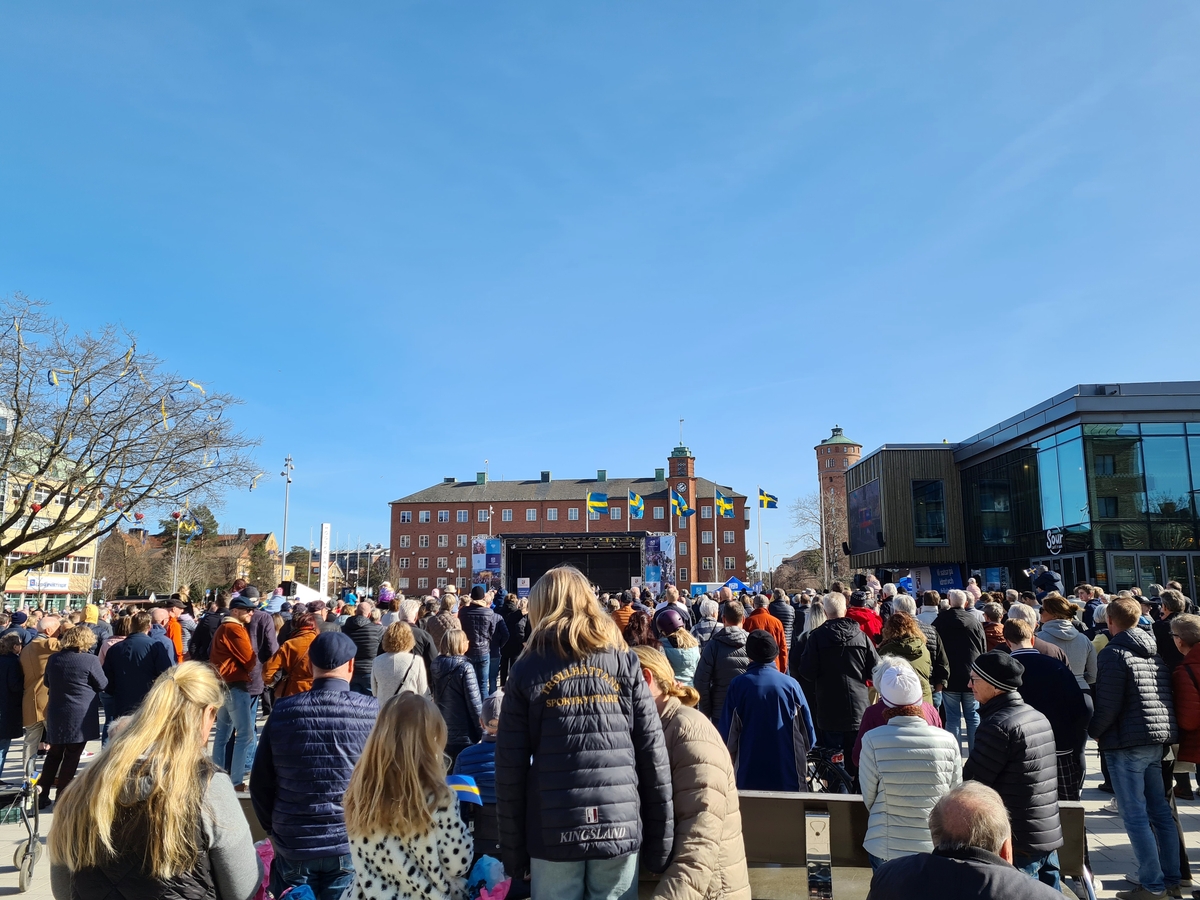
[(417, 235)]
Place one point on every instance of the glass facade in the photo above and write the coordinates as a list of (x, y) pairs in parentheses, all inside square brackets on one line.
[(1113, 497)]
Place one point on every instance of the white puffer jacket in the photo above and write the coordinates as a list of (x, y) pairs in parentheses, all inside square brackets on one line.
[(905, 768)]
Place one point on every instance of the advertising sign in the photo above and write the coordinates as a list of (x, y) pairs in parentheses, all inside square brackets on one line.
[(660, 562), (323, 572), (522, 587), (936, 578), (866, 518), (48, 584), (487, 554)]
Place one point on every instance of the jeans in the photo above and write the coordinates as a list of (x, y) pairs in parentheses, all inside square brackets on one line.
[(1042, 866), (237, 715), (1137, 781), (591, 879), (328, 876), (493, 675), (481, 670), (961, 705), (876, 861), (109, 704)]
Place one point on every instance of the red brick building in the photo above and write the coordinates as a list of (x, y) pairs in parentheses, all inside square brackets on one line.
[(437, 533)]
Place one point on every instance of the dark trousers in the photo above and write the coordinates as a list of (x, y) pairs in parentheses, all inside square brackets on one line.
[(62, 761)]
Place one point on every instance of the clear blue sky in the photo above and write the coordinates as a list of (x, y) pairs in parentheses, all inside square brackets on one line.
[(417, 235)]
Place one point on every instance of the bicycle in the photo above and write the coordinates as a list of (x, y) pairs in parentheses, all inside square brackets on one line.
[(825, 772)]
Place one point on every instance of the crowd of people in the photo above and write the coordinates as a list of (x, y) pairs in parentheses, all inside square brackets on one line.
[(605, 736)]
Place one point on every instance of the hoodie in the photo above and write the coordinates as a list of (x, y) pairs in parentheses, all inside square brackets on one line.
[(916, 652), (1132, 694), (868, 620), (722, 659), (1081, 655)]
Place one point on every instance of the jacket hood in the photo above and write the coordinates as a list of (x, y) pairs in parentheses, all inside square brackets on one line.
[(1136, 642), (909, 647), (842, 630), (1060, 628), (731, 635)]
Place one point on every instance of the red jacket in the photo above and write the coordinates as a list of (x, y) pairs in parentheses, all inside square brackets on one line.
[(761, 620), (868, 620), (1185, 680)]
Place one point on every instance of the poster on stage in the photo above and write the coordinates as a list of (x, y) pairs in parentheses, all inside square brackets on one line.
[(486, 562), (522, 587), (492, 554), (479, 552), (660, 562)]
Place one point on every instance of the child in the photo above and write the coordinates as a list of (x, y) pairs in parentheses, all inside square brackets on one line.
[(479, 762), (400, 814)]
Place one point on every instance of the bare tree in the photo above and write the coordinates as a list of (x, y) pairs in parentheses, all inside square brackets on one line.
[(95, 429), (126, 567), (822, 530)]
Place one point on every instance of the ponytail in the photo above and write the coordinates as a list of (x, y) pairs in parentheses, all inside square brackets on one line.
[(656, 662)]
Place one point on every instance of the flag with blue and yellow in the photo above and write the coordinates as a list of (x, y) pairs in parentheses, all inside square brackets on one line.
[(465, 787), (724, 505), (767, 501), (597, 503), (679, 505), (637, 506)]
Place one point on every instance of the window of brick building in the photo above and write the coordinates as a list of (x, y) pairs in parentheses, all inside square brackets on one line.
[(462, 540), (481, 515), (660, 512), (506, 515), (443, 515), (403, 561), (405, 540), (706, 512), (423, 516), (422, 562), (730, 562), (403, 584), (552, 515), (706, 563), (593, 515), (443, 562), (441, 582), (728, 537), (405, 516), (683, 574), (422, 584), (706, 537), (461, 562), (423, 540), (443, 540), (531, 515), (614, 512), (572, 514), (464, 515), (683, 548)]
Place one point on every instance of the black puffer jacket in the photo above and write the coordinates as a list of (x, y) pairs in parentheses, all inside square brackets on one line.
[(1014, 755), (783, 611), (962, 636), (722, 659), (1132, 695), (937, 654), (199, 648), (367, 636), (518, 630), (838, 659), (581, 767), (456, 693), (479, 624)]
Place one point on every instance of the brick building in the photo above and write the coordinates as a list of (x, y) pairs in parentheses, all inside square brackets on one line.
[(525, 528)]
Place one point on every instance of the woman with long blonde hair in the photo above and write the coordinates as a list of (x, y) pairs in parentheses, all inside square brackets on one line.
[(152, 816), (709, 859), (403, 822), (583, 783)]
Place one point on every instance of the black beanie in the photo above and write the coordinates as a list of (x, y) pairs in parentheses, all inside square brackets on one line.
[(999, 670), (761, 647)]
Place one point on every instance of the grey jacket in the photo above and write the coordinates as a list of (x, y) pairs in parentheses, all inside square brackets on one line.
[(1081, 655)]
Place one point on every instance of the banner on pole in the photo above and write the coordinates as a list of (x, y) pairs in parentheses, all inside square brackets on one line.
[(323, 572)]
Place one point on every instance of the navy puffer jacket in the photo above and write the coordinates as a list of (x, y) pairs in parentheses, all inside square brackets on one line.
[(1014, 754), (456, 693), (307, 750), (479, 624), (786, 614), (581, 766), (1132, 694)]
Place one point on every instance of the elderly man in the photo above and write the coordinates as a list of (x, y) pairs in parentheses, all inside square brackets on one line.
[(158, 632), (838, 659), (963, 637), (781, 608), (722, 660), (972, 855), (887, 600), (367, 635), (1014, 753), (708, 624)]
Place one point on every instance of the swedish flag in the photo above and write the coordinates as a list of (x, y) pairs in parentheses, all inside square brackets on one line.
[(724, 505), (767, 501), (636, 505), (465, 787), (679, 506), (597, 503)]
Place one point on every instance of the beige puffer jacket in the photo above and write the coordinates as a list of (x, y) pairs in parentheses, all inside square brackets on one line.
[(709, 859)]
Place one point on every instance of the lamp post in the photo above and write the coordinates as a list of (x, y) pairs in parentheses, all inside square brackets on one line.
[(288, 468), (770, 575)]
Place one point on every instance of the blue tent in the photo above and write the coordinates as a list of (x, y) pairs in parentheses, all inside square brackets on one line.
[(734, 585)]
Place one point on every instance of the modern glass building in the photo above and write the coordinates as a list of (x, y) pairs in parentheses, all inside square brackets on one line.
[(1099, 483)]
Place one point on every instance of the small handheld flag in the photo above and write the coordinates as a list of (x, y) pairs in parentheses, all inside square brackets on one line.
[(767, 501), (724, 505), (637, 506), (465, 787), (597, 503), (679, 506)]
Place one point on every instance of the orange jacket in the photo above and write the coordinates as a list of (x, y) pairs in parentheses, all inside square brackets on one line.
[(175, 633), (232, 653), (761, 620), (292, 659), (622, 617)]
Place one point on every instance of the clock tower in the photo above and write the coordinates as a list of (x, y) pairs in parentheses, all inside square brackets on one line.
[(681, 476)]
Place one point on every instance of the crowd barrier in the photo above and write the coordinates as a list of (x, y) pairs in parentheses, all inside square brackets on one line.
[(811, 845)]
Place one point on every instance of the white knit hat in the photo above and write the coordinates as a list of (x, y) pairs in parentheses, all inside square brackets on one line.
[(900, 686)]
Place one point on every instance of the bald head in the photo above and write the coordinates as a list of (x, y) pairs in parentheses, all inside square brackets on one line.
[(971, 815), (159, 616)]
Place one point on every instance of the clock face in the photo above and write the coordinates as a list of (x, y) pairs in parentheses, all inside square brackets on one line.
[(681, 487)]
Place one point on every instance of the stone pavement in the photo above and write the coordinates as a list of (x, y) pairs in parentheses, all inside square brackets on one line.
[(1110, 851)]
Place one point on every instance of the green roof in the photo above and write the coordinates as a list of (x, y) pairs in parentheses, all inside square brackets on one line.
[(838, 438)]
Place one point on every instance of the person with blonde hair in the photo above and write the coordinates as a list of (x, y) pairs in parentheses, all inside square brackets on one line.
[(397, 668), (152, 816), (74, 680), (1060, 628), (709, 858), (456, 693), (679, 645), (402, 819), (583, 782)]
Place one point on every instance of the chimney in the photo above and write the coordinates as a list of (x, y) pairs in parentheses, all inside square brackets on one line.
[(660, 474), (449, 480), (481, 477), (138, 533), (241, 534), (545, 476)]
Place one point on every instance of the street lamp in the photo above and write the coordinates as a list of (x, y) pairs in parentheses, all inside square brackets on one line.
[(286, 474), (770, 574)]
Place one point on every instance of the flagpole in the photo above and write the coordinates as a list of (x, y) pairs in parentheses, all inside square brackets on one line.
[(758, 559), (824, 549), (587, 512), (716, 536)]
